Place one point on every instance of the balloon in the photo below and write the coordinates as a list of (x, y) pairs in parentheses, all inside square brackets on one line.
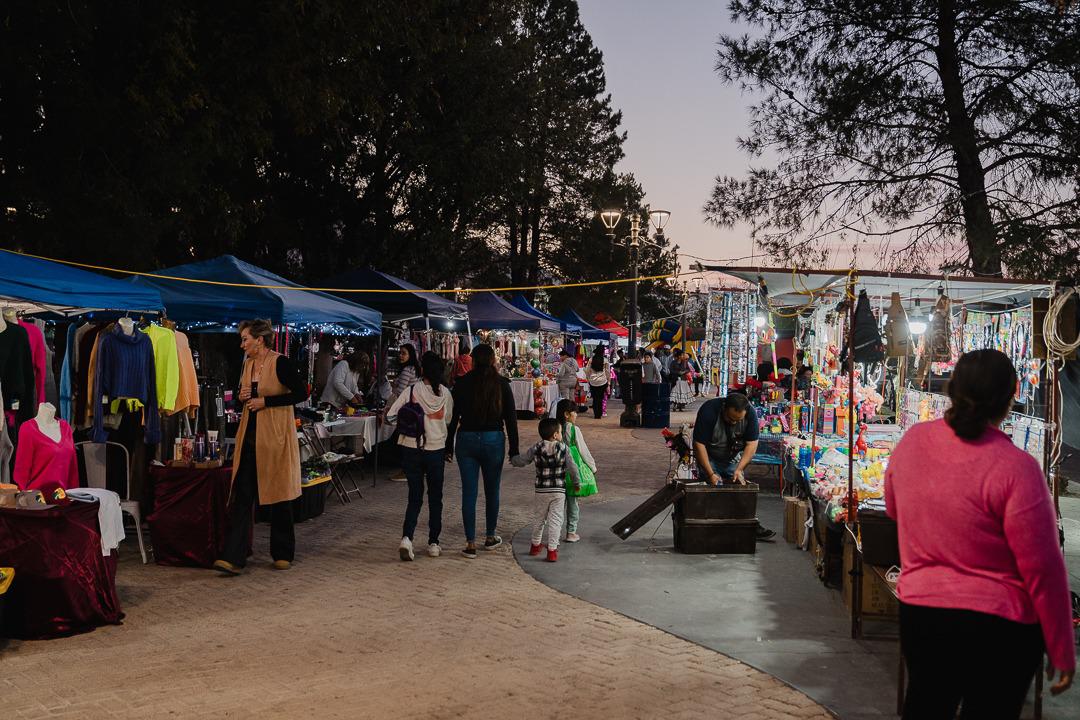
[(536, 372), (537, 382), (534, 343), (535, 363)]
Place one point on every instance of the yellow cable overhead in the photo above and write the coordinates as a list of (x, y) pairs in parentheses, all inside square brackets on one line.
[(222, 283)]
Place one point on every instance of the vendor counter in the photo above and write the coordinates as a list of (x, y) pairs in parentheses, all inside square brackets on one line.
[(62, 584)]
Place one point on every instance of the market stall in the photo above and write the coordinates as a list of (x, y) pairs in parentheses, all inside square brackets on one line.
[(526, 347), (859, 405), (66, 570), (212, 296)]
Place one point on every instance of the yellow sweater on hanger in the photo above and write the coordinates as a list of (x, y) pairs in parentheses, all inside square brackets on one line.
[(166, 365)]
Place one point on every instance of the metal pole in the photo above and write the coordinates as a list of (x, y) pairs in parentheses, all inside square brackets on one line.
[(856, 565), (685, 300), (634, 297)]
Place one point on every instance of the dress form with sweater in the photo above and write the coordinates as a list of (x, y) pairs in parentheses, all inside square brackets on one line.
[(46, 452), (125, 371)]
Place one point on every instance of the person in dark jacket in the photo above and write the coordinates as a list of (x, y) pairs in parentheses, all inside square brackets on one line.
[(483, 424)]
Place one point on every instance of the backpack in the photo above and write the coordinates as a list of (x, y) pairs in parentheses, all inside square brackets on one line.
[(410, 420)]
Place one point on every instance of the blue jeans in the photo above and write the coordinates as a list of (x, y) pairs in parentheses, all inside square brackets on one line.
[(725, 470), (480, 452), (419, 464)]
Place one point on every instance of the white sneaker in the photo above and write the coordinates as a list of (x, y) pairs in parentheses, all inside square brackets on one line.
[(405, 549), (399, 477), (572, 537), (433, 550)]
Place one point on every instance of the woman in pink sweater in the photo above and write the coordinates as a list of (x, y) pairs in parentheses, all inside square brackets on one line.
[(984, 587)]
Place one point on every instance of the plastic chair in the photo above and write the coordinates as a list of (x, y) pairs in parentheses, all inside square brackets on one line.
[(93, 459)]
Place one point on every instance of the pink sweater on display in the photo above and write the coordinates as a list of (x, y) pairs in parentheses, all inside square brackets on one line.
[(978, 531), (39, 356), (39, 459)]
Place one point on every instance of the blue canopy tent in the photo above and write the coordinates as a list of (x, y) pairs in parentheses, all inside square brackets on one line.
[(487, 310), (524, 305), (224, 304), (34, 285), (588, 332), (395, 305)]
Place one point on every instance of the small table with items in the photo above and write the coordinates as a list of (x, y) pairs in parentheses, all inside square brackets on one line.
[(190, 514), (522, 389), (64, 584)]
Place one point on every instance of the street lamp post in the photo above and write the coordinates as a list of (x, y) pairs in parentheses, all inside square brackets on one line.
[(611, 218)]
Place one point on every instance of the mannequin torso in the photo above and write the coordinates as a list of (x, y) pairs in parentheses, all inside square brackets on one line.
[(47, 422), (127, 325)]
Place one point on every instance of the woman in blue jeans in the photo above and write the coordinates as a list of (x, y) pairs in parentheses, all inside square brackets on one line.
[(423, 458), (483, 424)]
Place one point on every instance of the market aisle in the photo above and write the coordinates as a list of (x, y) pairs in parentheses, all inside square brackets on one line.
[(352, 632), (767, 609)]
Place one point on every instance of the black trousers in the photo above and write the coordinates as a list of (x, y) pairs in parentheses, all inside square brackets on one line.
[(598, 394), (981, 663), (245, 496)]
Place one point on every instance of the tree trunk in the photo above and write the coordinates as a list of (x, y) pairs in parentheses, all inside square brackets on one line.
[(534, 250), (970, 175), (512, 213)]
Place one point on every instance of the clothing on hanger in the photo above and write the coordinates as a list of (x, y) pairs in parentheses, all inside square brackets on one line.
[(6, 446), (17, 371), (38, 357), (166, 364), (86, 338), (125, 375), (65, 404), (187, 396)]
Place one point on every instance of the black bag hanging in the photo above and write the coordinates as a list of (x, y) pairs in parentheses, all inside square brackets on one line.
[(866, 338)]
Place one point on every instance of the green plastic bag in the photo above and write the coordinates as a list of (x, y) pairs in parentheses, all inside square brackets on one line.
[(588, 478)]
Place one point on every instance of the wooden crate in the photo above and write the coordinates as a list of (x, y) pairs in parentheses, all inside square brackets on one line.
[(878, 601)]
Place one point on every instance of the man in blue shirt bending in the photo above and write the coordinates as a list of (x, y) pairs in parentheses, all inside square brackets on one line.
[(725, 440)]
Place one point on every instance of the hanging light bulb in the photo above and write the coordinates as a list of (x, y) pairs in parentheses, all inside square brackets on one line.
[(759, 321), (917, 323)]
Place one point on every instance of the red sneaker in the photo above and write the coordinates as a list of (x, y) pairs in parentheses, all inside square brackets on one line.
[(553, 556), (535, 549)]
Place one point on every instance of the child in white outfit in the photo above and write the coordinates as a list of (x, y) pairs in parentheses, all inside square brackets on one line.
[(552, 459)]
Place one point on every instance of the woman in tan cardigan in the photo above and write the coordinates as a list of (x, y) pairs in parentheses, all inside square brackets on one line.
[(266, 465)]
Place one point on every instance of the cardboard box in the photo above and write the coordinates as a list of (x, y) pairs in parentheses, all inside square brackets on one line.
[(878, 602), (802, 514), (790, 520)]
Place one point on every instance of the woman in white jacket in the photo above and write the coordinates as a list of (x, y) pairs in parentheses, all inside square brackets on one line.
[(424, 458), (567, 377)]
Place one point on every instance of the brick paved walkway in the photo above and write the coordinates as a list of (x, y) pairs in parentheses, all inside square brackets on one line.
[(353, 632)]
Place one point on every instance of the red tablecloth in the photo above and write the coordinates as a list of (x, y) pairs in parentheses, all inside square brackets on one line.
[(188, 522), (63, 584)]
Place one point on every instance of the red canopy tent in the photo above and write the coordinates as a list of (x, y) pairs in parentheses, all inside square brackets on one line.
[(606, 322)]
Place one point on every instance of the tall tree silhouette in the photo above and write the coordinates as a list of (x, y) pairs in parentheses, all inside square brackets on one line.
[(933, 123)]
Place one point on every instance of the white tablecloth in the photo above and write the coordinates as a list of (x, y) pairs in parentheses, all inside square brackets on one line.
[(523, 395), (362, 427)]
